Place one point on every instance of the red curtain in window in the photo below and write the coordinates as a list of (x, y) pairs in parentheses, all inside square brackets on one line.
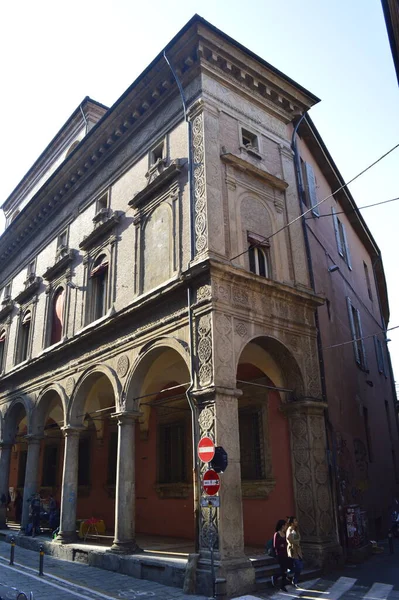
[(58, 313)]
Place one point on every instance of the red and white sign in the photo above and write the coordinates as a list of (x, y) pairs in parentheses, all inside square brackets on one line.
[(211, 482), (206, 449)]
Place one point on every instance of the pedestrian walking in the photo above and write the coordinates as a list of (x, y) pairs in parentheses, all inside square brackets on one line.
[(280, 550), (294, 548), (35, 507)]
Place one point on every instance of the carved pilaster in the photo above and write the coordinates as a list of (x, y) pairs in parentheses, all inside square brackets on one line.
[(313, 494)]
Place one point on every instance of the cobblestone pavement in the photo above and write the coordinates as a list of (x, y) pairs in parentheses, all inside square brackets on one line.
[(65, 580)]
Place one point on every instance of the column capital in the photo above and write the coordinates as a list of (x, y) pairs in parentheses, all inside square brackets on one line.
[(33, 439), (124, 417), (211, 392), (304, 406), (69, 431)]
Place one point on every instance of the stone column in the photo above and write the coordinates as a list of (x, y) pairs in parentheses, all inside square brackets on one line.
[(69, 486), (5, 457), (312, 485), (125, 501), (219, 419), (31, 476)]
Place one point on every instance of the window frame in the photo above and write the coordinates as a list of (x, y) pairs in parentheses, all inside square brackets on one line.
[(24, 340), (368, 281), (355, 324), (164, 461), (258, 244), (379, 352), (310, 187), (341, 238), (252, 137)]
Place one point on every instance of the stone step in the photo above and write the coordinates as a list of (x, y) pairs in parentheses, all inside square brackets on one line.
[(264, 582)]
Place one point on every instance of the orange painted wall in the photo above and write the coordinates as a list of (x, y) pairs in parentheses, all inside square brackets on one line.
[(260, 516)]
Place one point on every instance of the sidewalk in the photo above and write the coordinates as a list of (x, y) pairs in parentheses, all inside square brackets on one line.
[(89, 579)]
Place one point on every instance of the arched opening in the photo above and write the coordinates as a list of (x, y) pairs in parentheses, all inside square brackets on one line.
[(57, 316), (164, 486), (92, 409), (264, 370), (15, 429)]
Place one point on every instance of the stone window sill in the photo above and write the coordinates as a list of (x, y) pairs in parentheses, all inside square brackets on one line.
[(173, 490), (259, 488)]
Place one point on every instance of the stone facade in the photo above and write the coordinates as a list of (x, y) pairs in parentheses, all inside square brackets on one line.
[(162, 311)]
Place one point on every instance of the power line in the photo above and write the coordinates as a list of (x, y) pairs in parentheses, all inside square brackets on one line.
[(365, 337), (345, 212), (316, 205)]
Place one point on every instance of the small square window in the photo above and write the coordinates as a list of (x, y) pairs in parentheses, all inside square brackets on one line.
[(249, 140), (102, 203), (157, 153), (7, 293), (31, 268), (62, 241)]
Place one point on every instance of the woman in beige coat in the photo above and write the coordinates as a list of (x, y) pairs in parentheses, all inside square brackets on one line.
[(294, 548)]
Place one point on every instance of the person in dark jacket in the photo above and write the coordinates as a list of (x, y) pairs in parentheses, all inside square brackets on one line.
[(280, 549)]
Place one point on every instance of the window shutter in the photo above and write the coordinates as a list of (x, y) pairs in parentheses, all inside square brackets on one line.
[(353, 330), (336, 228), (3, 336), (311, 180), (347, 253), (26, 318), (364, 357)]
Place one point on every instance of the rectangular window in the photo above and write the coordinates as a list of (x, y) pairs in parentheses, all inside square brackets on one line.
[(340, 236), (50, 466), (249, 140), (31, 270), (380, 355), (157, 153), (112, 457), (328, 305), (6, 296), (357, 335), (310, 185), (84, 462), (368, 433), (251, 444), (62, 240), (102, 203), (368, 283), (172, 453)]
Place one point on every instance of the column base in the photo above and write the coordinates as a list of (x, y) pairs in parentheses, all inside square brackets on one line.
[(323, 554), (129, 547), (66, 537), (238, 572)]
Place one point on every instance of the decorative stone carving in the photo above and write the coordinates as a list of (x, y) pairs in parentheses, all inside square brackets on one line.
[(204, 351), (208, 526), (122, 365), (241, 329), (204, 293), (69, 386), (200, 209), (224, 349)]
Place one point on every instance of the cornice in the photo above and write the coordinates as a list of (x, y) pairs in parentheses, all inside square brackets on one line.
[(170, 173), (59, 267), (244, 165), (28, 292)]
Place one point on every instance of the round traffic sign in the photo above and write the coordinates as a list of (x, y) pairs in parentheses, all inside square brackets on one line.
[(211, 482), (206, 449)]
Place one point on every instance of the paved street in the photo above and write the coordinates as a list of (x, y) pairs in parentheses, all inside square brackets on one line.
[(65, 580), (375, 579)]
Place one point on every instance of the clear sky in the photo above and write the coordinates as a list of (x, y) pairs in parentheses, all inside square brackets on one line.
[(54, 54)]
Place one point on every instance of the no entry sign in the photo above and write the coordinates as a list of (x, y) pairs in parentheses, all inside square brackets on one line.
[(211, 482), (206, 449)]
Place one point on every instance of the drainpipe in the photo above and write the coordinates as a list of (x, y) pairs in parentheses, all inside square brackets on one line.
[(301, 192), (190, 400)]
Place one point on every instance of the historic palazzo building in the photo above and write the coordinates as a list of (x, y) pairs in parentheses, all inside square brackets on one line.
[(153, 293)]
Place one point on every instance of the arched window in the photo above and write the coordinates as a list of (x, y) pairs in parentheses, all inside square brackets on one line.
[(258, 261), (99, 280), (24, 335), (57, 316), (3, 335)]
